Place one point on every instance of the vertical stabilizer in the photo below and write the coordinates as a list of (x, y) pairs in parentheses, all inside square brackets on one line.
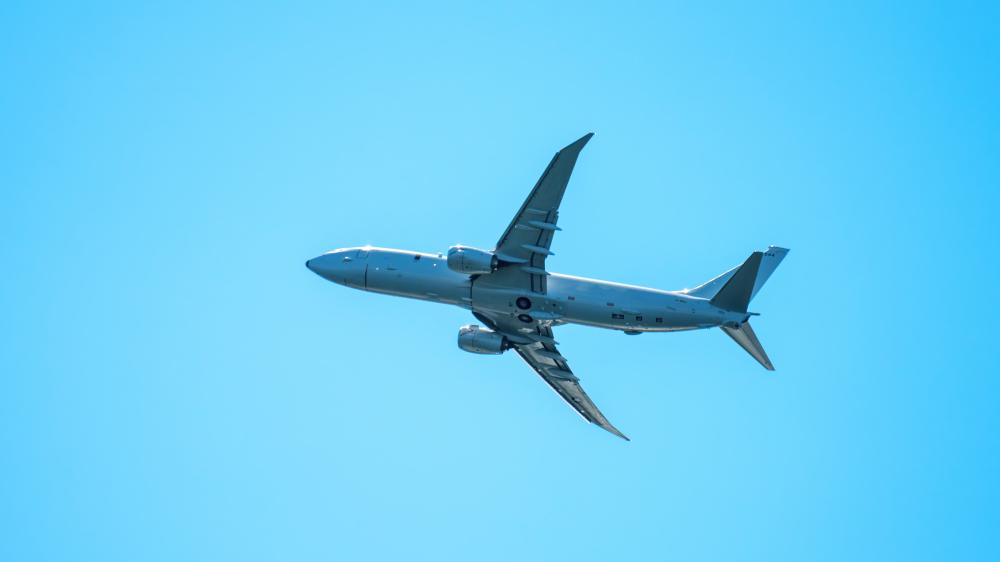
[(769, 261)]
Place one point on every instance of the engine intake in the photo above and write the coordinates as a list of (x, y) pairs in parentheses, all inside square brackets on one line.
[(471, 261), (474, 339)]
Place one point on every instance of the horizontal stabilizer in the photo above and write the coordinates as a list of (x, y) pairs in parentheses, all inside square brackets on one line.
[(747, 339), (735, 294)]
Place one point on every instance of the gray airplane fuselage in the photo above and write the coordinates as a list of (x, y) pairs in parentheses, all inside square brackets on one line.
[(568, 299)]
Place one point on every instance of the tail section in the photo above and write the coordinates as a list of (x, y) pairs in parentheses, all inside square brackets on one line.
[(734, 289)]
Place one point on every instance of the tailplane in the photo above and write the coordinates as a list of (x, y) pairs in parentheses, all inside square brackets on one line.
[(747, 339), (736, 293)]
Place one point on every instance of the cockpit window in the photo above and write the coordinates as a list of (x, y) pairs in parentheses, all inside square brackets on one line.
[(416, 257)]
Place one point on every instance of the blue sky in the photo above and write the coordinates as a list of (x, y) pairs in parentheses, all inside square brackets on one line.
[(177, 386)]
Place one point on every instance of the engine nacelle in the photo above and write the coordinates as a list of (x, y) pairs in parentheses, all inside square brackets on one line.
[(474, 339), (471, 261)]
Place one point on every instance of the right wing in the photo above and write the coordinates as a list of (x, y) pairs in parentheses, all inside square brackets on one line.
[(538, 349)]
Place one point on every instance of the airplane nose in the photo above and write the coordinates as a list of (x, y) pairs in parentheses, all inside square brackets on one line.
[(339, 267), (319, 264), (326, 266)]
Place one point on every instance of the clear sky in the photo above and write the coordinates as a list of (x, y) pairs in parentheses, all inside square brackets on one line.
[(178, 386)]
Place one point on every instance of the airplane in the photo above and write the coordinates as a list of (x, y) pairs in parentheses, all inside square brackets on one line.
[(510, 290)]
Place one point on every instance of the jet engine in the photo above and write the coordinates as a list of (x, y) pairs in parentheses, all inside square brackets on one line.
[(471, 261), (474, 339)]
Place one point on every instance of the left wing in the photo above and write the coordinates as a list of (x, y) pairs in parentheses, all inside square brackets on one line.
[(538, 349), (525, 244)]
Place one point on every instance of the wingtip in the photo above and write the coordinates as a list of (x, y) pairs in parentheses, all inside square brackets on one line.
[(579, 143), (613, 431)]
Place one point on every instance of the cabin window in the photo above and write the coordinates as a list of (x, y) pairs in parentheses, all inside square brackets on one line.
[(572, 298), (617, 316), (610, 304), (638, 318), (659, 320)]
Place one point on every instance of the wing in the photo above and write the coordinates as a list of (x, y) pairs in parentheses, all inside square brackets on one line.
[(525, 244), (538, 349)]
